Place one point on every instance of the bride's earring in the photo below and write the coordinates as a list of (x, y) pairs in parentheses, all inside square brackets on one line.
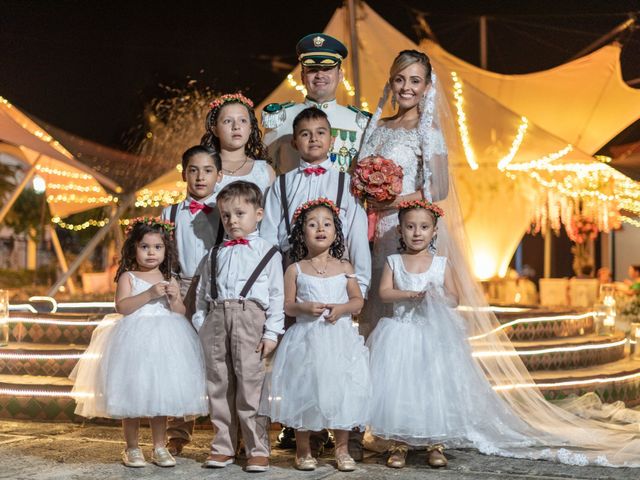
[(394, 102), (432, 245)]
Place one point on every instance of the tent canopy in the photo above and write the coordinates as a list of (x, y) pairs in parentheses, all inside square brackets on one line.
[(585, 102)]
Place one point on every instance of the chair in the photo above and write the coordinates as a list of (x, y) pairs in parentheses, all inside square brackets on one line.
[(583, 292), (554, 291)]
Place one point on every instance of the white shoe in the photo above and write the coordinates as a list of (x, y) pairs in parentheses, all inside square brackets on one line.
[(134, 458), (162, 457)]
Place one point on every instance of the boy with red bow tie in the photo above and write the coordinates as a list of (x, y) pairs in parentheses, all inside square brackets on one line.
[(197, 231), (316, 178), (239, 315)]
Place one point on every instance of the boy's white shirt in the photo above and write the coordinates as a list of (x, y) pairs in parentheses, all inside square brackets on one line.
[(234, 266), (195, 234), (300, 188)]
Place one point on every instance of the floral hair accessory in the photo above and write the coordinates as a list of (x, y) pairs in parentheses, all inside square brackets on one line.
[(166, 225), (322, 201), (231, 97), (437, 211)]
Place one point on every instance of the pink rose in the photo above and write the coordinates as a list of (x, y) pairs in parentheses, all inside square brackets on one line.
[(376, 178)]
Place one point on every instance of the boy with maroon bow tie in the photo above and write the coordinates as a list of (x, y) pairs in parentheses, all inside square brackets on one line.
[(316, 178), (239, 315), (197, 231)]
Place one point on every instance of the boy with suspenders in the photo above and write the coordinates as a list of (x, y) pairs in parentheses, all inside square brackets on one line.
[(316, 178), (239, 315), (197, 231)]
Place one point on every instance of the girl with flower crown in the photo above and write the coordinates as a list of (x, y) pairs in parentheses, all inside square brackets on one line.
[(149, 362), (232, 130), (320, 377)]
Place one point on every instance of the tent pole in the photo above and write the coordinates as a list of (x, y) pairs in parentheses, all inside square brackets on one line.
[(355, 66), (60, 255), (547, 252), (126, 202), (18, 190), (606, 37), (483, 42)]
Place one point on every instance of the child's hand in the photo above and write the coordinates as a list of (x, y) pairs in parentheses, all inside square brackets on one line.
[(265, 347), (334, 312), (173, 291), (416, 296), (315, 309), (158, 290)]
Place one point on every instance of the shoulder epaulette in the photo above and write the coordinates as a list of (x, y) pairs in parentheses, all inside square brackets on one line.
[(362, 116), (274, 114)]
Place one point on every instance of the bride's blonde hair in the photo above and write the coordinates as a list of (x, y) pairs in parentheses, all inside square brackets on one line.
[(409, 57)]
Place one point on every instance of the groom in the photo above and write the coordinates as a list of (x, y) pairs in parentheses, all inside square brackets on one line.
[(321, 57)]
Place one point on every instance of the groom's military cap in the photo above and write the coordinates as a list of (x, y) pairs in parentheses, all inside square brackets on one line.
[(320, 50)]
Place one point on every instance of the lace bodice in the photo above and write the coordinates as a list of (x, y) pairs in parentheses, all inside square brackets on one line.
[(403, 147), (153, 307), (432, 279)]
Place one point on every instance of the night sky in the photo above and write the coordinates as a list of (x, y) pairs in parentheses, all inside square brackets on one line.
[(90, 67)]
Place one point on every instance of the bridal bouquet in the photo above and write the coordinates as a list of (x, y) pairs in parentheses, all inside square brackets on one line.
[(376, 178), (379, 179)]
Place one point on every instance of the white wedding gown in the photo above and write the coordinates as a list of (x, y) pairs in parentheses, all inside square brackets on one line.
[(516, 421)]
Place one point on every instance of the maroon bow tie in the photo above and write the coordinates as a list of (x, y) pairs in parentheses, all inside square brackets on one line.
[(195, 207), (314, 170), (236, 241)]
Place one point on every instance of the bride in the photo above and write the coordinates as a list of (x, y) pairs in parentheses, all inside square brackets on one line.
[(518, 422)]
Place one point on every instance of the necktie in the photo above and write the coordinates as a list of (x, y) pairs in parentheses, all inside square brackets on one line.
[(195, 207), (314, 170), (236, 241)]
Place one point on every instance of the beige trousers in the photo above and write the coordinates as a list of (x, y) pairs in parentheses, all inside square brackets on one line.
[(235, 374)]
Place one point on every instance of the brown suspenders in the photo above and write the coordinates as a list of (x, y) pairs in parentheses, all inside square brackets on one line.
[(250, 281), (285, 203)]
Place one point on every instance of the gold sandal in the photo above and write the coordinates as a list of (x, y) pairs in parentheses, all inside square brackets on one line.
[(435, 456), (398, 457)]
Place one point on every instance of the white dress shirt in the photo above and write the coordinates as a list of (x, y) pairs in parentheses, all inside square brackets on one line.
[(195, 234), (347, 127), (234, 266), (301, 188)]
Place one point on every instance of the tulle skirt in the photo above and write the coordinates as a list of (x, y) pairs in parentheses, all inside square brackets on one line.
[(141, 365), (427, 388), (320, 377)]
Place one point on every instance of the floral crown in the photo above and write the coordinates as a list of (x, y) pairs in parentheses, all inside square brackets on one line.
[(231, 97), (437, 211), (166, 225), (325, 202)]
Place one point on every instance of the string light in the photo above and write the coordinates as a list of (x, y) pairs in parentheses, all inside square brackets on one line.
[(630, 221), (154, 198), (63, 173), (74, 187), (73, 198), (81, 226), (26, 123), (43, 393), (515, 145), (590, 381), (51, 321), (462, 122), (519, 321), (580, 348)]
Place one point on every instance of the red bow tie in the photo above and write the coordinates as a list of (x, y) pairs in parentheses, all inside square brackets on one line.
[(236, 241), (195, 207), (314, 170)]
